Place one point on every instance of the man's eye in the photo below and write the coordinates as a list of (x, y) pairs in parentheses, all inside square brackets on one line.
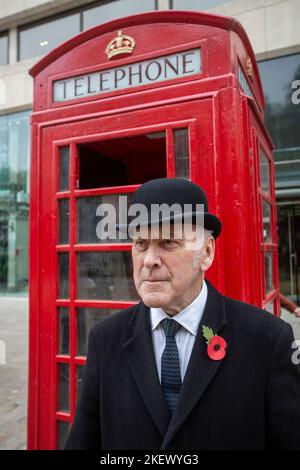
[(170, 243), (140, 244)]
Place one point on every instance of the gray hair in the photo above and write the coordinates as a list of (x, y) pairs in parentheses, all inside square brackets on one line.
[(208, 233)]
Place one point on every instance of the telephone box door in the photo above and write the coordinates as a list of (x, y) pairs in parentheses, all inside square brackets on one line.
[(86, 278)]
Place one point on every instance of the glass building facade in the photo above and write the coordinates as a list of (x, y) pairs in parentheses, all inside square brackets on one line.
[(111, 10), (3, 48), (197, 4), (283, 117), (38, 39), (14, 201), (279, 79)]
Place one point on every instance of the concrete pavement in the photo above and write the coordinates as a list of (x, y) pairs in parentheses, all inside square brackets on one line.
[(13, 375)]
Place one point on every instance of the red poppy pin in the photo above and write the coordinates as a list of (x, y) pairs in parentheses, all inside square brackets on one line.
[(216, 345)]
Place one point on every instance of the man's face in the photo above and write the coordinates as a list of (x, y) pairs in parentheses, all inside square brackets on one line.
[(168, 272)]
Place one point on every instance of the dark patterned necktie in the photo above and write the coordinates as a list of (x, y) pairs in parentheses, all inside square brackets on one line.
[(170, 368)]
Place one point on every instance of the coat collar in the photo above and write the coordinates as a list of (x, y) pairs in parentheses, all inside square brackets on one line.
[(138, 348)]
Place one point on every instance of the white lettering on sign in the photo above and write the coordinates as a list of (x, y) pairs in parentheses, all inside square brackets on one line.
[(181, 64)]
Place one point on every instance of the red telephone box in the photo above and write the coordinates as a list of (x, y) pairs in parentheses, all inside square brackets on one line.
[(164, 93)]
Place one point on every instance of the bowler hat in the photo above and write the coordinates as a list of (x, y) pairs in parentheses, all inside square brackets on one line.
[(177, 191)]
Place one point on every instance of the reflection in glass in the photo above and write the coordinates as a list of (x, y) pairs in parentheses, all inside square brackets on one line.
[(63, 229), (62, 434), (64, 330), (64, 156), (39, 39), (79, 377), (282, 116), (86, 319), (14, 201), (105, 275), (269, 271), (181, 153), (116, 9), (264, 172), (266, 222), (63, 266), (287, 172), (93, 219), (63, 387), (288, 222), (3, 49)]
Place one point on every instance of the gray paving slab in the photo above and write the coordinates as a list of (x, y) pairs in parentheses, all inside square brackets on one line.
[(13, 374)]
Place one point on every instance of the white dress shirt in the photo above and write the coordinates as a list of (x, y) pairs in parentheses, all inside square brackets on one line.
[(189, 318)]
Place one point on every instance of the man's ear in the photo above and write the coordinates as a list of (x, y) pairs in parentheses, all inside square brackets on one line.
[(208, 253)]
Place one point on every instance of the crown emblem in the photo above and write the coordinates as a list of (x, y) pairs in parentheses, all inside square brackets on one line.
[(122, 44)]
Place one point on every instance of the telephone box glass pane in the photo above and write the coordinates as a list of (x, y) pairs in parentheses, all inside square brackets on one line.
[(63, 230), (105, 276), (93, 218), (269, 271), (79, 377), (86, 319), (62, 434), (270, 307), (181, 153), (123, 161), (264, 172), (64, 171), (267, 211), (63, 387), (63, 263), (64, 330)]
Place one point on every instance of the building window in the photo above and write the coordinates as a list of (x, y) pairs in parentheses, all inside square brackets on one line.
[(39, 39), (14, 201), (115, 9), (197, 4), (3, 48), (268, 246), (283, 117)]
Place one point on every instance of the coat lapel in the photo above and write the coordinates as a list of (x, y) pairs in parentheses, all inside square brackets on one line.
[(138, 348), (201, 369)]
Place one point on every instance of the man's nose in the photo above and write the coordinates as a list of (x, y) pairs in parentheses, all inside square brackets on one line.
[(152, 257)]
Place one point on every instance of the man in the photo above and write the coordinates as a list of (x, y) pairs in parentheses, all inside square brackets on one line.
[(289, 305), (186, 368)]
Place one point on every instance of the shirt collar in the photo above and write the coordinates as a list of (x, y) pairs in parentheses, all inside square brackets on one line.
[(189, 317)]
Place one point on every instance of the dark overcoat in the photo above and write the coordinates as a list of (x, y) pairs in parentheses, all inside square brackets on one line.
[(248, 400)]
